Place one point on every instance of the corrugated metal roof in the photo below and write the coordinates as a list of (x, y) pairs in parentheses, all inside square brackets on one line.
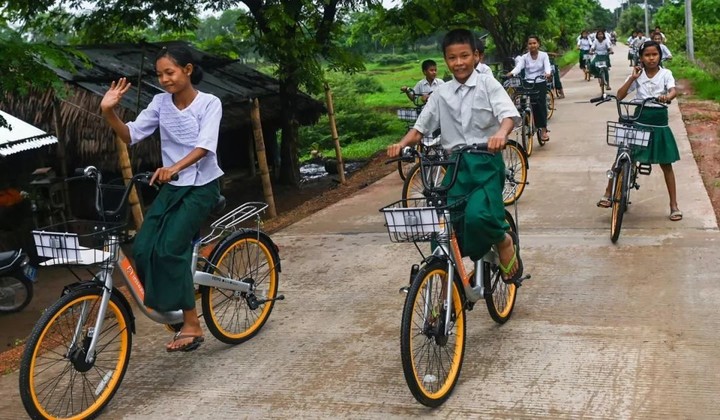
[(234, 83), (20, 136)]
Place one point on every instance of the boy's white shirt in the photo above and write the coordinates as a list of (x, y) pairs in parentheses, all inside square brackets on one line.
[(467, 113), (423, 86)]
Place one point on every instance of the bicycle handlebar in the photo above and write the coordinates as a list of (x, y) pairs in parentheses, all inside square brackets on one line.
[(91, 172)]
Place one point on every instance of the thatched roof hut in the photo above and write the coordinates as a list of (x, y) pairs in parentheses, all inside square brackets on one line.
[(89, 140)]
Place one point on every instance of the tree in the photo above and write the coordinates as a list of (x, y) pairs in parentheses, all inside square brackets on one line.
[(631, 19)]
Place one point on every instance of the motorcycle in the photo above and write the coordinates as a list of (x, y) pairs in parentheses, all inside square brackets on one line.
[(613, 40), (17, 277)]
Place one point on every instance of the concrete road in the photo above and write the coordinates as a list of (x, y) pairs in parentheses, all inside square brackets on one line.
[(601, 331)]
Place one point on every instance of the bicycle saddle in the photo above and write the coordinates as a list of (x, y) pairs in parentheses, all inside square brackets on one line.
[(7, 257)]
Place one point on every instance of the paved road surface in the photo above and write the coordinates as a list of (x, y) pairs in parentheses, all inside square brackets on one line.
[(601, 331)]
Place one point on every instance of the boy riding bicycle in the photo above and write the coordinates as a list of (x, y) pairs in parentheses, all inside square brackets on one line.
[(427, 85), (473, 108)]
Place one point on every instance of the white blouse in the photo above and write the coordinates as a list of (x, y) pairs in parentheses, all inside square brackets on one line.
[(181, 131), (533, 68), (602, 48), (647, 87), (584, 43)]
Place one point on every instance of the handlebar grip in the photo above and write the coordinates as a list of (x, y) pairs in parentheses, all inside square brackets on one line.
[(598, 99), (175, 177), (79, 172)]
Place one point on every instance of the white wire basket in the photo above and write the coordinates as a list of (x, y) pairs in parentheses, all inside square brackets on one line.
[(78, 242), (601, 64), (587, 57), (619, 134), (409, 221)]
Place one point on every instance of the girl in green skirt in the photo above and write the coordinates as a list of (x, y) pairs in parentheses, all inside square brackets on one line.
[(602, 50), (189, 123), (652, 81)]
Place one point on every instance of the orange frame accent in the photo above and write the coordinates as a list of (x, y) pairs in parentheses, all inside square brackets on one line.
[(131, 276)]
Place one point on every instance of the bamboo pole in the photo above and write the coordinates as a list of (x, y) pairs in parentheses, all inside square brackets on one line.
[(126, 169), (334, 133), (262, 157), (61, 154)]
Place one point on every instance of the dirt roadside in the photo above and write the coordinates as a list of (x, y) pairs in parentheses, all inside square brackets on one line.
[(702, 121)]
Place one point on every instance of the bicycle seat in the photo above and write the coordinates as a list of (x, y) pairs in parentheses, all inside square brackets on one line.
[(7, 257)]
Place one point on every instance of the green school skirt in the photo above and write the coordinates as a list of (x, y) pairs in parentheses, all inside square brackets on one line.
[(163, 247), (662, 148), (480, 221), (594, 70)]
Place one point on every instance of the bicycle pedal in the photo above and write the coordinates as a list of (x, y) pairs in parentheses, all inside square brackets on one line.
[(520, 281), (404, 289), (644, 168)]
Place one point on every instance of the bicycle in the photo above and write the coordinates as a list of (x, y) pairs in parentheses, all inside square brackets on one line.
[(410, 115), (440, 290), (77, 355), (524, 100), (628, 137), (603, 72)]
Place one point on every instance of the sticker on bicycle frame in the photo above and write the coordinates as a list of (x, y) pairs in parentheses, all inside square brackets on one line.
[(30, 272)]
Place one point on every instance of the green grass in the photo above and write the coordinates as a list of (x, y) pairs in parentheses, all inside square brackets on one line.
[(570, 57), (705, 85), (361, 150), (392, 78)]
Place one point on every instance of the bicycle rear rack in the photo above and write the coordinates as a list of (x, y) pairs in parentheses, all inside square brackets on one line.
[(230, 221)]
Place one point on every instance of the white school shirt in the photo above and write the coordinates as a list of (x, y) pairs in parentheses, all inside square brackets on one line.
[(533, 68), (584, 43), (181, 131), (602, 48), (637, 43), (467, 113), (483, 68), (646, 87), (423, 86), (665, 52)]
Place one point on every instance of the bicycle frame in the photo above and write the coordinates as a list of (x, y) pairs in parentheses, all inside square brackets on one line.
[(221, 226)]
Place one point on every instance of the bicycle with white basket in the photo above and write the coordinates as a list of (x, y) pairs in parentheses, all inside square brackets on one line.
[(406, 167), (628, 136), (432, 338), (78, 352)]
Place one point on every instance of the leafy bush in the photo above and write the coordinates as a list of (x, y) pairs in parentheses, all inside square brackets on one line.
[(395, 59)]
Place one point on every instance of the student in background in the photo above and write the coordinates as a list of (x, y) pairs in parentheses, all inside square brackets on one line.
[(426, 85)]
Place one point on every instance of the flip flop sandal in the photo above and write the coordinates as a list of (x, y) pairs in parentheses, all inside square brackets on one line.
[(676, 215), (192, 345), (505, 270), (604, 203)]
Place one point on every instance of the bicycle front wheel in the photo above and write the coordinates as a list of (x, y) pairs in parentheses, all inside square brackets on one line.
[(619, 199), (413, 185), (231, 316), (56, 380), (431, 349), (528, 131), (516, 167)]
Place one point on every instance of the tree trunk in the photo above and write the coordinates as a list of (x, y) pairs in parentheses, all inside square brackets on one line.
[(289, 160)]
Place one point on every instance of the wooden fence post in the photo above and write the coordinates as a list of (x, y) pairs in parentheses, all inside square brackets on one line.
[(334, 133), (57, 120), (262, 157)]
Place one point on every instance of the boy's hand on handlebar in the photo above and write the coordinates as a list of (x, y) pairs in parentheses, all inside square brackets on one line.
[(497, 142), (394, 150), (404, 89), (164, 175)]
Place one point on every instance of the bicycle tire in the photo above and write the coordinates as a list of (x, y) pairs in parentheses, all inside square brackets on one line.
[(550, 101), (424, 381), (528, 131), (44, 341), (516, 169), (12, 286), (234, 256), (500, 301), (619, 200), (413, 185)]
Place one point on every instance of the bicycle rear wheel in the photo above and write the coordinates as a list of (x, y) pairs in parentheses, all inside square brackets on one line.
[(413, 185), (501, 299), (431, 359), (55, 379), (234, 317), (619, 199), (516, 166), (550, 101)]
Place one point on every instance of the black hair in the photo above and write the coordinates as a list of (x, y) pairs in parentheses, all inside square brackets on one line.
[(537, 38), (480, 46), (651, 44), (459, 36), (182, 56), (600, 32), (427, 64)]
